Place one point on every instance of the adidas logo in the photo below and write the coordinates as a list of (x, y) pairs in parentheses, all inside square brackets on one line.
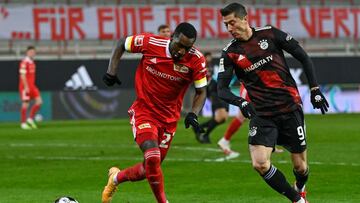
[(80, 80), (241, 57)]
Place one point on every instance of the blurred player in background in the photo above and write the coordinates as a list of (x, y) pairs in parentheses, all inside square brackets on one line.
[(166, 70), (28, 90), (220, 109), (256, 56), (234, 126), (164, 31)]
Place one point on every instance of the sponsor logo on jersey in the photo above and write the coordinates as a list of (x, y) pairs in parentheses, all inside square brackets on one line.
[(139, 40), (181, 68), (144, 125), (263, 44), (80, 80), (162, 75), (259, 63), (252, 131)]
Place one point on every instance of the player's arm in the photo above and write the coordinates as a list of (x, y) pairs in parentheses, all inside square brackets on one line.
[(200, 84), (110, 77), (291, 46), (224, 78), (23, 79)]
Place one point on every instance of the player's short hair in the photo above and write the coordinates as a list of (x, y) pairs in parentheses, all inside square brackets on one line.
[(207, 54), (238, 9), (30, 48), (186, 29), (161, 27)]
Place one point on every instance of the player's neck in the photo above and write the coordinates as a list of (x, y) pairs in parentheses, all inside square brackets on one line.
[(247, 34)]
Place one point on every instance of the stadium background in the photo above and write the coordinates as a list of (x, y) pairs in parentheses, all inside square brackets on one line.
[(74, 39)]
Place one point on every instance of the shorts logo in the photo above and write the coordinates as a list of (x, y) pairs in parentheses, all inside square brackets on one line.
[(144, 125), (139, 40), (252, 131), (221, 65), (263, 44)]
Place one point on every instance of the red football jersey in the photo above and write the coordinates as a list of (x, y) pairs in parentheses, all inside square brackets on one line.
[(161, 83), (27, 66)]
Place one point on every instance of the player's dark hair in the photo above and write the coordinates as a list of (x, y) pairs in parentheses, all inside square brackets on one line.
[(30, 48), (186, 29), (162, 27), (238, 9), (207, 54)]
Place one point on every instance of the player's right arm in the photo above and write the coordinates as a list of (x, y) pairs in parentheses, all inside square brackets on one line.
[(224, 78), (133, 44), (22, 72)]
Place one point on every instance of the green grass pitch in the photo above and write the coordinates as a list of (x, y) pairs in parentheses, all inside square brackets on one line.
[(71, 158)]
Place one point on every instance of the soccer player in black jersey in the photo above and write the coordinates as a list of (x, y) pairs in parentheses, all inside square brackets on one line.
[(256, 56)]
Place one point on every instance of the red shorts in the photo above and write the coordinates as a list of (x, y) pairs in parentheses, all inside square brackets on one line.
[(146, 127), (32, 94)]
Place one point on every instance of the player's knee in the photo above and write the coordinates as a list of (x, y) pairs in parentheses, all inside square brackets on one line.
[(152, 158), (301, 168), (261, 166)]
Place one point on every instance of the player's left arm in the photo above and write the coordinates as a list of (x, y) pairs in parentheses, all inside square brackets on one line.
[(200, 83), (290, 45)]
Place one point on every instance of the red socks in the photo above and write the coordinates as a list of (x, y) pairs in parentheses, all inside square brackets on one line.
[(154, 173), (233, 127), (23, 114), (35, 108), (134, 173)]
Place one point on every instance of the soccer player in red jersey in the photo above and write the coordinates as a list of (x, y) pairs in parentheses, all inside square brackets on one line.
[(164, 31), (166, 69), (28, 89)]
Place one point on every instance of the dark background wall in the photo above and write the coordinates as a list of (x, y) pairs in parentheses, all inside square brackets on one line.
[(52, 75)]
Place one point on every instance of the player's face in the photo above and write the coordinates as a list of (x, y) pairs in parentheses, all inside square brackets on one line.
[(179, 46), (235, 25), (31, 53), (165, 32)]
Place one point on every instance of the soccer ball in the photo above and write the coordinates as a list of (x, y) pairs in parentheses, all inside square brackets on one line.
[(38, 118), (66, 200)]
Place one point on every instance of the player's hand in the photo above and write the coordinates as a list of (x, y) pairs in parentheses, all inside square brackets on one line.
[(110, 80), (247, 109), (191, 119), (319, 101)]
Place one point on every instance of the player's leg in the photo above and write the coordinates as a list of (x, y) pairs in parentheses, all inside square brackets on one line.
[(25, 98), (235, 124), (293, 138), (301, 172), (35, 108), (262, 139)]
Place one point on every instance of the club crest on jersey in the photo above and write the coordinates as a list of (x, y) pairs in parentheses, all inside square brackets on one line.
[(252, 131), (139, 40), (263, 44), (181, 68), (144, 125)]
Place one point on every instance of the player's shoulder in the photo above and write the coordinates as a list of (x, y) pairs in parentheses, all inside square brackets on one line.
[(264, 28), (229, 45), (195, 53)]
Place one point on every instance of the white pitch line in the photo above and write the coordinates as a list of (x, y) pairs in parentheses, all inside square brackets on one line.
[(112, 158), (209, 149)]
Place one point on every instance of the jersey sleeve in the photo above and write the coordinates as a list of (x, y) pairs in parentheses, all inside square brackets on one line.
[(23, 67), (199, 74), (136, 43), (285, 41)]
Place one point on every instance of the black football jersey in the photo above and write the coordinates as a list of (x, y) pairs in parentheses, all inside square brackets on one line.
[(260, 64)]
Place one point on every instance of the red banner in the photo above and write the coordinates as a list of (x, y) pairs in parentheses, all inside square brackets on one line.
[(107, 23)]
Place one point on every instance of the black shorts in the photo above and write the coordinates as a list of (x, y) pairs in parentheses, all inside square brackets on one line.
[(217, 103), (287, 130)]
